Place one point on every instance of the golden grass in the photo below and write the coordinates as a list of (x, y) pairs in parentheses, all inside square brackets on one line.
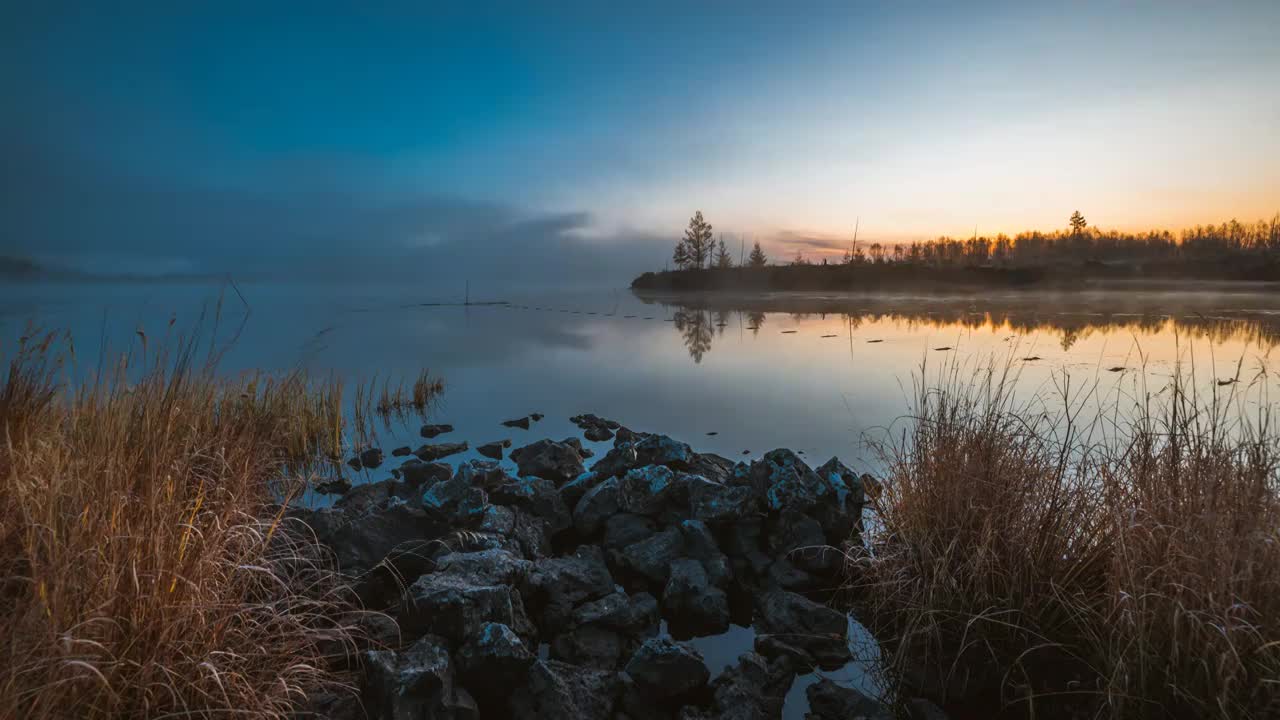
[(146, 565), (1127, 566)]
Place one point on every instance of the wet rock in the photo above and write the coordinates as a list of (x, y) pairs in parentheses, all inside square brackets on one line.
[(533, 534), (624, 529), (650, 559), (785, 575), (829, 701), (486, 474), (598, 505), (800, 539), (841, 519), (371, 457), (494, 449), (456, 608), (427, 453), (753, 689), (556, 461), (712, 467), (691, 604), (597, 434), (537, 497), (591, 646), (536, 416), (430, 431), (336, 486), (360, 539), (522, 423), (495, 658), (417, 473), (556, 586), (484, 567), (573, 490), (633, 615), (402, 451), (648, 490), (554, 689), (617, 461), (365, 497), (576, 444), (355, 463), (700, 545), (720, 504), (414, 683), (662, 450), (444, 496), (666, 669), (802, 623)]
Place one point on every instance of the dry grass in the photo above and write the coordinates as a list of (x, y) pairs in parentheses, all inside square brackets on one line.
[(146, 568), (1123, 567)]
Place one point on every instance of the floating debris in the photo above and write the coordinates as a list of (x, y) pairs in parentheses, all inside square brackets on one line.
[(753, 327), (746, 452), (944, 348), (1118, 368), (1032, 358), (789, 332), (874, 341), (1231, 381), (713, 432), (430, 431), (522, 423), (827, 336)]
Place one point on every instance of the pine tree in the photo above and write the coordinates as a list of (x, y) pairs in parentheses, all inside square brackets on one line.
[(723, 261), (1078, 223), (757, 259), (697, 239), (681, 255)]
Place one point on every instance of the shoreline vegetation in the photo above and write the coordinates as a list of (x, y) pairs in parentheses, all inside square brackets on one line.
[(1231, 252)]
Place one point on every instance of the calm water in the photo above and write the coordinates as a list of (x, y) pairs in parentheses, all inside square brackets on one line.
[(818, 374), (738, 377)]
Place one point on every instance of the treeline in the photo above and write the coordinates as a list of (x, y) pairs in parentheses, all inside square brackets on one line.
[(1231, 251)]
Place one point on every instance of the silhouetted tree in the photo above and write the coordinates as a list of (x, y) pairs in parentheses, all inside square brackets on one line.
[(1078, 223), (758, 258), (681, 256), (697, 243), (723, 261)]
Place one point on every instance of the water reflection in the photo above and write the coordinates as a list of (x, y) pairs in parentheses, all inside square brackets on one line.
[(1247, 319)]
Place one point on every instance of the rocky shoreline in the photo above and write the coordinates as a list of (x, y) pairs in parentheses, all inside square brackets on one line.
[(563, 591)]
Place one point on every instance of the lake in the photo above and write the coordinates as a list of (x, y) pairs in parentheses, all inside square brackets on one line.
[(737, 376)]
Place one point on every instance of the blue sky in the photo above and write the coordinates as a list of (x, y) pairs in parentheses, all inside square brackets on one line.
[(250, 136)]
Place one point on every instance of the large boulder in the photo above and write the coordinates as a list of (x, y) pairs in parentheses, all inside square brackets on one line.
[(415, 683), (535, 496), (691, 605), (595, 507), (554, 689), (633, 615), (800, 539), (841, 520), (650, 490), (719, 504), (361, 540), (829, 701), (712, 467), (371, 457), (624, 529), (417, 473), (667, 669), (485, 567), (457, 607), (700, 545), (805, 624), (649, 560), (556, 586), (494, 658), (591, 646), (559, 462), (643, 450)]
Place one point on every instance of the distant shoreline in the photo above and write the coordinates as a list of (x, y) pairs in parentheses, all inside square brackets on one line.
[(903, 277)]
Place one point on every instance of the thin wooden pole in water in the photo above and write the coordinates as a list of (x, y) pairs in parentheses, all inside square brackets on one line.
[(466, 300)]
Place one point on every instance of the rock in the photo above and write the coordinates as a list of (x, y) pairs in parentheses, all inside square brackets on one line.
[(712, 467), (720, 504), (536, 416), (576, 444), (361, 539), (772, 646), (829, 701), (573, 490), (336, 486), (591, 646), (624, 529), (691, 605), (533, 534), (354, 463), (625, 435), (371, 458), (430, 431), (785, 575), (494, 658), (662, 450), (556, 461), (402, 451), (536, 496), (556, 586), (417, 473), (410, 684), (753, 689), (802, 623), (459, 705), (485, 474), (427, 453), (365, 497), (522, 423), (800, 539), (485, 567), (493, 449), (842, 519), (597, 434), (650, 559), (595, 508), (553, 689), (648, 490), (617, 461), (634, 615), (666, 669), (454, 607), (701, 546), (444, 496)]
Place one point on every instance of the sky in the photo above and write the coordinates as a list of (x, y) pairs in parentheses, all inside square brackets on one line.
[(551, 142)]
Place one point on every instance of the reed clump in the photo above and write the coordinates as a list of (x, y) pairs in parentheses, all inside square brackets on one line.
[(1080, 558), (147, 566)]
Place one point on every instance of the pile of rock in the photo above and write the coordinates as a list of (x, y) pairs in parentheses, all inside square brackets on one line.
[(483, 570)]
